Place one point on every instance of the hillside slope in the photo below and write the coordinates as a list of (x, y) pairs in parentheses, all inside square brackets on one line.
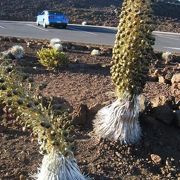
[(94, 12), (27, 9)]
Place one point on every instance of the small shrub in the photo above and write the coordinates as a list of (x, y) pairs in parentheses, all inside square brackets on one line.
[(52, 58)]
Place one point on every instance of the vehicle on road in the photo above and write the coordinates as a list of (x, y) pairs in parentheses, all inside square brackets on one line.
[(52, 18)]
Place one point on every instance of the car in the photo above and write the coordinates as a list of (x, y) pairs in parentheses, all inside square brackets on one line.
[(52, 18)]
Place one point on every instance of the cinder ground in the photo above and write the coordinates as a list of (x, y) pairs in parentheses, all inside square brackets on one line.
[(87, 81)]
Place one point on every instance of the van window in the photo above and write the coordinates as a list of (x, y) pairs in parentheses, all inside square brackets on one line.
[(55, 13)]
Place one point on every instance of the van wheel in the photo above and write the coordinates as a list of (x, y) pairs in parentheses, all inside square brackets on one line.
[(65, 26), (37, 23)]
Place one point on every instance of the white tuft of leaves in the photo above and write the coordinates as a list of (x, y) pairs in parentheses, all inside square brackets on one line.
[(17, 51), (167, 56), (58, 47), (119, 121), (54, 41), (55, 166), (95, 52), (84, 23)]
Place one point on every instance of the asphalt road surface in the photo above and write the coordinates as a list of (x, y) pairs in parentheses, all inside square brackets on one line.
[(165, 41)]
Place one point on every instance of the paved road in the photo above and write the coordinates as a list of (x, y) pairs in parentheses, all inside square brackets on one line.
[(84, 34)]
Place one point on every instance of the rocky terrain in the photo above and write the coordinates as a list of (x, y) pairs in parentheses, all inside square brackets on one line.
[(102, 12), (84, 87)]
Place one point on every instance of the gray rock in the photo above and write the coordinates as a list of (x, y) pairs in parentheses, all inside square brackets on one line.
[(156, 158), (158, 101), (161, 80), (175, 78), (22, 177)]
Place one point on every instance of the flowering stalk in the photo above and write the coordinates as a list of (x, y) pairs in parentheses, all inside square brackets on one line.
[(132, 55), (54, 133)]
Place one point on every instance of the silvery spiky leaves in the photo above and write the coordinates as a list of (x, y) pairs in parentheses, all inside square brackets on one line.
[(58, 47), (56, 44), (54, 41), (56, 166), (132, 55), (119, 121), (17, 51)]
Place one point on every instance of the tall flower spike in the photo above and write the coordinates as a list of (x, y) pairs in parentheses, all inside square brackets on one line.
[(55, 133), (132, 54)]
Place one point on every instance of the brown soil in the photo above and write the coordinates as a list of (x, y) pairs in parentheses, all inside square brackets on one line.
[(87, 81)]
